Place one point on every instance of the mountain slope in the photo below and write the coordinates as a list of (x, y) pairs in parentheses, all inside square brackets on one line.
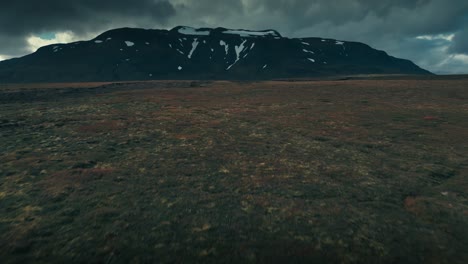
[(188, 53)]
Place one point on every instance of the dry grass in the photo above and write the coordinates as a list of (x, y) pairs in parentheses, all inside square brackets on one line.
[(333, 171)]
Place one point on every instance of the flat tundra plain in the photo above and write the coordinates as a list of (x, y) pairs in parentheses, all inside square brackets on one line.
[(352, 171)]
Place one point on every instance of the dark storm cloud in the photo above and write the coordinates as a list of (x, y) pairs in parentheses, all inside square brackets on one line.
[(391, 25), (25, 16), (334, 11), (21, 18), (415, 17)]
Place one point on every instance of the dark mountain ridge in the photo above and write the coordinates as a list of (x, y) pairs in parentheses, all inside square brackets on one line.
[(205, 53)]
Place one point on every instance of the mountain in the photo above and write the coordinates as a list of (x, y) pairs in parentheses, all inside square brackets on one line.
[(205, 53)]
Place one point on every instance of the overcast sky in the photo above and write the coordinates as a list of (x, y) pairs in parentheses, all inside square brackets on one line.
[(432, 33)]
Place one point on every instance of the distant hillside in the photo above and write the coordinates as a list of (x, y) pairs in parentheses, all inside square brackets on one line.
[(189, 53)]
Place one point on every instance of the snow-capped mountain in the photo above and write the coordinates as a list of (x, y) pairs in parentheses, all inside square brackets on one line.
[(205, 53)]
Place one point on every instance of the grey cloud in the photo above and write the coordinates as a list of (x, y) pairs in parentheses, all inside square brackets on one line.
[(460, 41), (12, 46), (210, 7)]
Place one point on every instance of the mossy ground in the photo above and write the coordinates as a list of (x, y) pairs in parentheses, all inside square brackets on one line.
[(336, 171)]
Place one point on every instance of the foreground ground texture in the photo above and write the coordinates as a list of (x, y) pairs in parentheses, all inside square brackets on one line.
[(369, 171)]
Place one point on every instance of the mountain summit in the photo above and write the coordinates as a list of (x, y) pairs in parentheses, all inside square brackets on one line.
[(204, 53)]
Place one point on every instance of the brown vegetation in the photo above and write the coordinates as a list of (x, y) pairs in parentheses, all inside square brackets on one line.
[(306, 171)]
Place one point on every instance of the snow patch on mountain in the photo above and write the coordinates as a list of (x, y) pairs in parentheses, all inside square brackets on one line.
[(226, 46), (193, 31), (129, 43), (56, 48), (194, 47), (248, 33), (239, 50)]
